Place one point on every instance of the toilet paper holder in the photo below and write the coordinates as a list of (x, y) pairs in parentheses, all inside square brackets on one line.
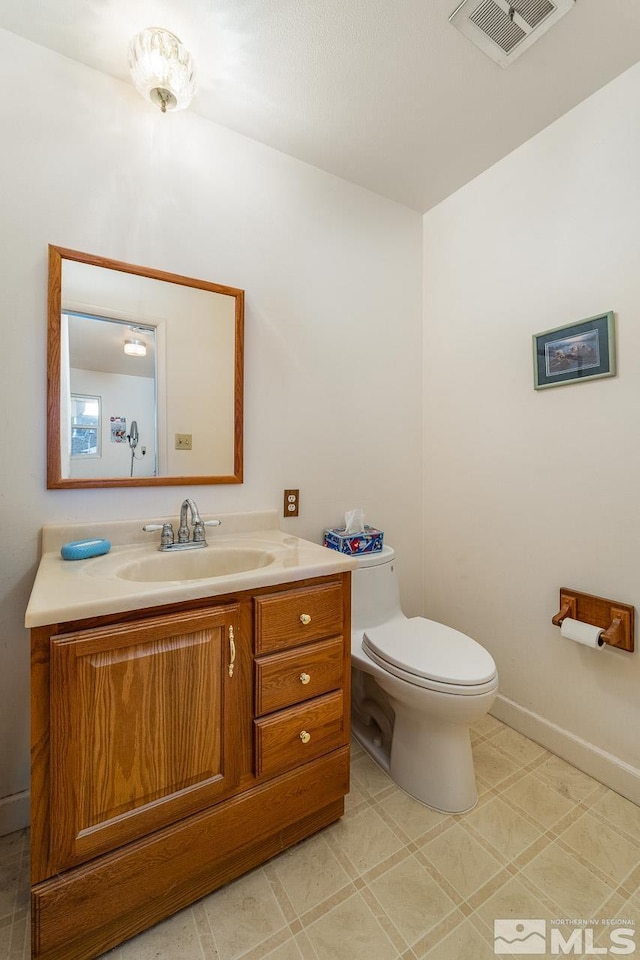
[(616, 619)]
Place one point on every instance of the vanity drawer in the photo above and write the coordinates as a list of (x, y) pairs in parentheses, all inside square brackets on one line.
[(294, 736), (298, 616), (284, 679)]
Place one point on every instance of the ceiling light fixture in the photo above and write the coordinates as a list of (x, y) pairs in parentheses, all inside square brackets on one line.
[(162, 69), (135, 348)]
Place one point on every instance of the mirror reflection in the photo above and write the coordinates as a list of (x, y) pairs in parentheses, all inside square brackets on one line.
[(145, 375), (111, 398)]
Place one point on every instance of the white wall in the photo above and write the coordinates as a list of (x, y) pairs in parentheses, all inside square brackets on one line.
[(529, 491), (201, 364), (332, 275)]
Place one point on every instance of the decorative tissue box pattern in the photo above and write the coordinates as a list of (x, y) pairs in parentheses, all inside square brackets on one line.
[(368, 542)]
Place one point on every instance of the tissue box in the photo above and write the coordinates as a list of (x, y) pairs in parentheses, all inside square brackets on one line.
[(368, 542)]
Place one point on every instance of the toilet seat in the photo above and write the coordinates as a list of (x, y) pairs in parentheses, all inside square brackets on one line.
[(432, 655)]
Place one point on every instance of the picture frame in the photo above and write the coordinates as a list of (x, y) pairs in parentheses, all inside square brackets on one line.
[(575, 352)]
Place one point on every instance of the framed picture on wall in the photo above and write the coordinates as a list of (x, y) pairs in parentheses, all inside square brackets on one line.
[(580, 351)]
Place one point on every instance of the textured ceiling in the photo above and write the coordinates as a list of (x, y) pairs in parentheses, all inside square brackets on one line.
[(385, 93)]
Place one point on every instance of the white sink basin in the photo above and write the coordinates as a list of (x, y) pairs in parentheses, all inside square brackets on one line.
[(194, 564)]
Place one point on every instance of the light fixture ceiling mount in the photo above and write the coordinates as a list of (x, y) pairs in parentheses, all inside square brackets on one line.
[(162, 69), (135, 348)]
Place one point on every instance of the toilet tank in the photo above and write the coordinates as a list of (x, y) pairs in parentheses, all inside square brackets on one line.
[(375, 592)]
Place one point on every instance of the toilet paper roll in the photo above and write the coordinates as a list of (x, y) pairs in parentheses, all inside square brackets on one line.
[(581, 632)]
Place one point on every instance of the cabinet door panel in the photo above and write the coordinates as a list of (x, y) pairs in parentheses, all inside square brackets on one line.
[(139, 733)]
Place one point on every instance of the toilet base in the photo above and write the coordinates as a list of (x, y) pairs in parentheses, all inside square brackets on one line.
[(421, 738), (432, 761), (412, 784)]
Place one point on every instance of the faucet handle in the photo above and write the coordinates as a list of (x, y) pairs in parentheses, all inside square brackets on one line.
[(198, 531), (166, 537), (198, 528)]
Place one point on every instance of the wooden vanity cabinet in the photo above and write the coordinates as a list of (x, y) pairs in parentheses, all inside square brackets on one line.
[(175, 748)]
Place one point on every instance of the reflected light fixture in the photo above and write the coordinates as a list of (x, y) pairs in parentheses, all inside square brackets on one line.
[(135, 348), (162, 69)]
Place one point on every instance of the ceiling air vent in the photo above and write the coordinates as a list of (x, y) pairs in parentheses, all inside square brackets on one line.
[(503, 29)]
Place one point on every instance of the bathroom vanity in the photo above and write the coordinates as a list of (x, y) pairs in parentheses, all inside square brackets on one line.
[(183, 731)]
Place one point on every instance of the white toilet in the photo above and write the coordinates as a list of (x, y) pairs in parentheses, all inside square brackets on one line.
[(417, 686)]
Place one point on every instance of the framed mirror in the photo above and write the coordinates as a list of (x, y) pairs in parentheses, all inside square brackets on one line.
[(144, 376)]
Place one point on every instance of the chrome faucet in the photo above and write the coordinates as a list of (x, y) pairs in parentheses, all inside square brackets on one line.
[(167, 539), (198, 526)]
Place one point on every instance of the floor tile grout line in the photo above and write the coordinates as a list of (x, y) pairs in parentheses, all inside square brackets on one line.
[(588, 864), (315, 913), (434, 932), (548, 781), (529, 817), (616, 828), (493, 850), (401, 937), (537, 888), (534, 761), (541, 895)]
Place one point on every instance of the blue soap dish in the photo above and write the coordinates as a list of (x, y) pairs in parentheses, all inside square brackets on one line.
[(82, 549)]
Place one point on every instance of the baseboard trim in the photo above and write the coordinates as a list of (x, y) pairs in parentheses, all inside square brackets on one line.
[(602, 766), (14, 812)]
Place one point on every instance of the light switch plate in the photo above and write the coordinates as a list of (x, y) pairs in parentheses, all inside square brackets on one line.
[(183, 441)]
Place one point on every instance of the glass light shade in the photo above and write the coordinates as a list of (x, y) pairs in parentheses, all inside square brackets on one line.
[(135, 348), (162, 69)]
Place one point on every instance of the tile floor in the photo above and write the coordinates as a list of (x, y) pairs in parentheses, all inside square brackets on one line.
[(396, 881)]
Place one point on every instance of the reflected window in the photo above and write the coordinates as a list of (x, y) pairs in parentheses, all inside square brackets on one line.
[(85, 426)]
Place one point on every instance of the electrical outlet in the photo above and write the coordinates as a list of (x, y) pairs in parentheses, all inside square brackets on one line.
[(291, 503), (183, 441)]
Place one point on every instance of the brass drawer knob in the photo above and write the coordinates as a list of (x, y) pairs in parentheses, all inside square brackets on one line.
[(305, 618), (305, 737), (304, 678)]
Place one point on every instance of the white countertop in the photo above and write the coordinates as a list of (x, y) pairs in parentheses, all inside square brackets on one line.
[(77, 589)]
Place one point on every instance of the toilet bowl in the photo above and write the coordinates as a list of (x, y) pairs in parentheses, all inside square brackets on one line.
[(417, 686)]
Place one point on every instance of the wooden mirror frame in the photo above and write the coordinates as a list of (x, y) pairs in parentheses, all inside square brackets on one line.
[(55, 480)]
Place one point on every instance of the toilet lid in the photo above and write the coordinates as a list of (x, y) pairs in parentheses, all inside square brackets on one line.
[(431, 650)]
